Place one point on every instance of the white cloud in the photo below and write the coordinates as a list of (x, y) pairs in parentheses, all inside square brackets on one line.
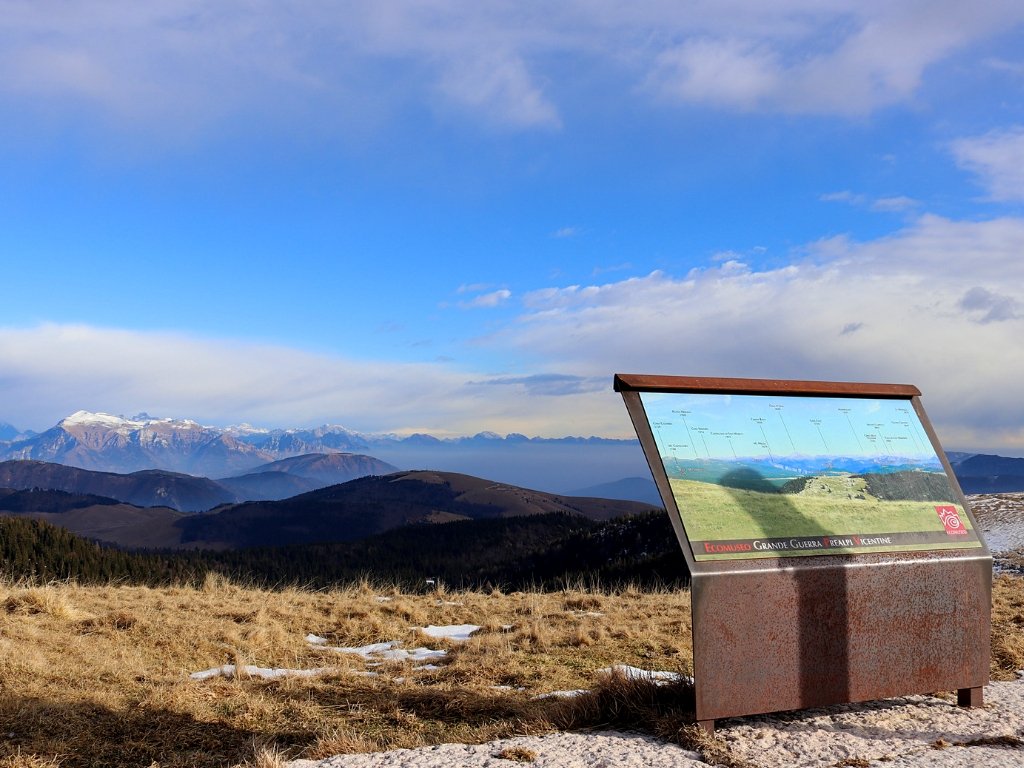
[(721, 72), (894, 204), (185, 64), (841, 58), (997, 158), (602, 270), (1001, 65), (488, 300), (926, 306), (500, 89), (50, 371), (472, 287), (844, 196), (181, 64), (556, 384), (990, 307)]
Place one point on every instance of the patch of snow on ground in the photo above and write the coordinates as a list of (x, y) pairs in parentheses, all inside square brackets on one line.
[(366, 651), (389, 651), (560, 750), (635, 673), (416, 654), (375, 654), (457, 632), (229, 670), (562, 694), (1001, 517)]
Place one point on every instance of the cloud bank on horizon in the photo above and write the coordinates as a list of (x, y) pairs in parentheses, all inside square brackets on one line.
[(449, 217)]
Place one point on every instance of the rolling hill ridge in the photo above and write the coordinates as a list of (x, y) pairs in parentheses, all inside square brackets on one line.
[(188, 493), (145, 488), (344, 512), (372, 505)]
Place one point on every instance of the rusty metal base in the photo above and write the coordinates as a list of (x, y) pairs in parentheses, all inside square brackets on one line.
[(970, 697), (795, 633), (965, 697), (707, 726)]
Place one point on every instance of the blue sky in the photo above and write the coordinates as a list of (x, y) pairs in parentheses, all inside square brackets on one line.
[(700, 426), (452, 216)]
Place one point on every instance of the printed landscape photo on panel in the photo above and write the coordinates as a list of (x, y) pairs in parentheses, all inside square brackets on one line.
[(782, 476)]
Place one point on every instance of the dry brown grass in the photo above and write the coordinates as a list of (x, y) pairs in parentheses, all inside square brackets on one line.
[(517, 754), (1007, 627), (94, 676), (100, 675)]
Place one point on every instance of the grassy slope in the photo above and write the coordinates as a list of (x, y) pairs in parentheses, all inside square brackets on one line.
[(829, 506), (372, 505), (99, 675)]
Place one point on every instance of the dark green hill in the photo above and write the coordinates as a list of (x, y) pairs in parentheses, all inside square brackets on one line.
[(329, 468), (371, 505), (542, 551), (35, 550), (268, 486), (44, 500), (909, 486), (145, 488), (984, 473), (96, 517)]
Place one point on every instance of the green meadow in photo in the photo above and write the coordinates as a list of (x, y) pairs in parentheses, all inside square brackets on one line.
[(713, 512), (752, 475)]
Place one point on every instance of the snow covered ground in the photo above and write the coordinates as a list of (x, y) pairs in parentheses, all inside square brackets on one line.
[(909, 732), (374, 653)]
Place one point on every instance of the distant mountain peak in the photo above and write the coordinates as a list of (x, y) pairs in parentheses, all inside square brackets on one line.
[(421, 438), (245, 428), (332, 429), (140, 421), (488, 435), (8, 431), (87, 418)]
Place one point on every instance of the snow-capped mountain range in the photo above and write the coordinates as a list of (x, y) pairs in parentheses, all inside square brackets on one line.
[(100, 441), (104, 442)]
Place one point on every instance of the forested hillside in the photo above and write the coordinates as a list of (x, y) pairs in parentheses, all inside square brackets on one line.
[(35, 550), (543, 551)]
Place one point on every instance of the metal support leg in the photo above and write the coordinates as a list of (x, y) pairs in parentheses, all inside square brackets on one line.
[(707, 725), (970, 697)]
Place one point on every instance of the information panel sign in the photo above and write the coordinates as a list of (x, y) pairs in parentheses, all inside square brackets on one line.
[(757, 476), (831, 554)]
